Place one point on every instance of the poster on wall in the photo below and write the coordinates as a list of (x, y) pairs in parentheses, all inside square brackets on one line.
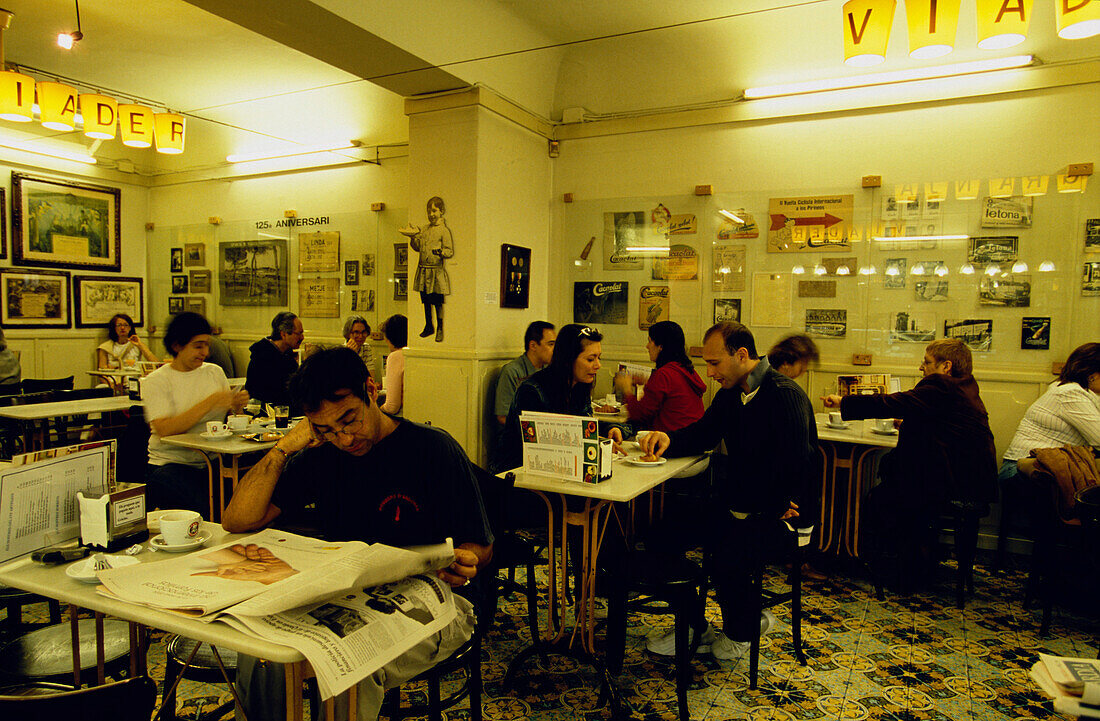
[(1012, 290), (682, 263), (826, 322), (684, 224), (912, 327), (895, 272), (977, 334), (652, 305), (728, 262), (727, 309), (620, 232), (362, 301), (771, 300), (993, 248), (742, 224), (600, 302), (319, 297), (1090, 279), (822, 223), (932, 289), (368, 264), (254, 272), (319, 252), (1014, 212), (1092, 235), (817, 289), (1035, 334)]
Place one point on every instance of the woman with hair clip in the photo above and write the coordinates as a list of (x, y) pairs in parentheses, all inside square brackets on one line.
[(674, 392)]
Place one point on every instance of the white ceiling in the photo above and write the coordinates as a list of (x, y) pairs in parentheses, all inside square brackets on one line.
[(245, 86)]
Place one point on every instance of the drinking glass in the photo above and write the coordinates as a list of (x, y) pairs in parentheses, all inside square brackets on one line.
[(282, 416)]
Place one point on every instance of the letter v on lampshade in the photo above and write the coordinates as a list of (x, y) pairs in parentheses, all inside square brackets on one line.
[(867, 31)]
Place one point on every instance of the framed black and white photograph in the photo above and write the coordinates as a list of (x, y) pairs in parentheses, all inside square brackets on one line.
[(179, 284), (894, 272), (727, 309), (400, 257), (176, 262), (194, 254), (200, 281), (1035, 333), (254, 272), (826, 322), (993, 249), (400, 286), (1092, 234), (34, 299), (1090, 279), (601, 302), (368, 263), (1012, 290), (3, 224), (977, 334), (515, 276), (195, 304), (98, 298), (175, 305), (351, 272), (62, 224), (912, 327), (934, 289)]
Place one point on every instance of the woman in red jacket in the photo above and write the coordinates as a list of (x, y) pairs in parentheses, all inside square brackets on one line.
[(674, 392)]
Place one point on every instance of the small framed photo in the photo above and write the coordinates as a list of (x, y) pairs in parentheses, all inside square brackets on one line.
[(3, 225), (351, 272), (194, 254), (200, 281), (179, 283), (176, 264), (37, 299), (400, 286), (175, 305), (99, 298), (400, 257), (727, 309), (515, 276), (194, 304)]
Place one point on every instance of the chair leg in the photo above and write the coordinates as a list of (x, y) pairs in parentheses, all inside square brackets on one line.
[(172, 670), (683, 655), (796, 608), (435, 707), (966, 543), (532, 604), (616, 627), (475, 681), (754, 644), (55, 611)]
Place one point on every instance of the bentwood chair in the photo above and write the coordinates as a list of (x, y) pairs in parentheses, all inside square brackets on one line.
[(130, 700)]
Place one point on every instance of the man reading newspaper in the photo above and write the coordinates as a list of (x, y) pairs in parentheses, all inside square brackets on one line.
[(373, 478)]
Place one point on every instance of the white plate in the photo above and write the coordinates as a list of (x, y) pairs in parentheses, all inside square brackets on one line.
[(84, 570), (841, 427), (217, 436), (640, 462), (158, 543), (891, 432), (605, 413)]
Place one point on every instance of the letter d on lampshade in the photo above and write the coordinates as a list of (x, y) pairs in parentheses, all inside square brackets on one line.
[(16, 97), (1077, 18), (136, 125), (932, 25), (169, 130), (1002, 23), (57, 105), (100, 115), (867, 31)]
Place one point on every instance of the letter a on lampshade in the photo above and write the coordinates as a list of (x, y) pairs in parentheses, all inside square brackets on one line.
[(1002, 23), (135, 123), (867, 31), (57, 105), (932, 25), (1077, 18), (169, 133), (100, 115), (16, 97)]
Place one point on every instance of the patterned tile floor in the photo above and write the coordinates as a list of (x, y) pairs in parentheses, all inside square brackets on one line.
[(903, 659)]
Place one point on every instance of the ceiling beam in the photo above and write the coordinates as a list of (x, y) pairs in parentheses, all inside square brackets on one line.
[(321, 34)]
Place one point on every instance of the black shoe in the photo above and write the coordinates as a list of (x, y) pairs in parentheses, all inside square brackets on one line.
[(428, 330)]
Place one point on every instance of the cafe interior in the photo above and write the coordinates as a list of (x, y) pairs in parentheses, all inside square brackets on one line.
[(948, 164)]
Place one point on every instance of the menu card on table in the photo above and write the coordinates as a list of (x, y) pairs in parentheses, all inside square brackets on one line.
[(560, 446)]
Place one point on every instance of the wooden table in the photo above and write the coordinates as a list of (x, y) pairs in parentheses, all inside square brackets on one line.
[(32, 413), (51, 582), (846, 449), (228, 452)]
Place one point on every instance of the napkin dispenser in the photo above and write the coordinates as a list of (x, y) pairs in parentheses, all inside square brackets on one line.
[(115, 519), (607, 455)]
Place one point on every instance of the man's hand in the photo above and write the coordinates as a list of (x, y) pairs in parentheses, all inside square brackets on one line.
[(300, 436), (616, 436), (240, 400), (460, 572), (831, 401), (352, 344), (625, 385), (655, 443), (790, 513), (250, 563)]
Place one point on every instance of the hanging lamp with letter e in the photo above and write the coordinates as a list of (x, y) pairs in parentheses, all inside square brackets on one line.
[(169, 130), (16, 97), (100, 115), (135, 123), (932, 25), (1077, 19), (57, 105), (1002, 23), (867, 31)]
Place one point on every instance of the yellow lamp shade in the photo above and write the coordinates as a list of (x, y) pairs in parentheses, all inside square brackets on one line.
[(100, 115), (57, 105), (1002, 23), (135, 124), (867, 31), (169, 129), (1077, 18), (932, 25), (16, 97)]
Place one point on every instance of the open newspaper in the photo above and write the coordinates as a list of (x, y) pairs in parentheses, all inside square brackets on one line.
[(348, 607), (1073, 683)]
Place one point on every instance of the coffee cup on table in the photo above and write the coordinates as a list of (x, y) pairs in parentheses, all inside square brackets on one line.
[(884, 425), (835, 418), (238, 423), (215, 427), (179, 527)]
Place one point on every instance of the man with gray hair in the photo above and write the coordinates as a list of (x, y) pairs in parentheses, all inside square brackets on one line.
[(273, 360)]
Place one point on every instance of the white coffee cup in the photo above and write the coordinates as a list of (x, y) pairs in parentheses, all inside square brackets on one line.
[(836, 419), (885, 425), (238, 423), (180, 527), (215, 427)]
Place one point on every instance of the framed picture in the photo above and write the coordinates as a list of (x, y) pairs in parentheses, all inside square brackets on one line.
[(194, 254), (254, 272), (62, 224), (179, 283), (99, 297), (37, 299), (515, 276), (175, 305), (177, 261), (3, 225), (400, 257), (351, 272), (400, 286), (727, 309), (1035, 333), (194, 304), (200, 281)]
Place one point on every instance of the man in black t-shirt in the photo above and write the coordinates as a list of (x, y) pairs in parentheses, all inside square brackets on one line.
[(373, 478)]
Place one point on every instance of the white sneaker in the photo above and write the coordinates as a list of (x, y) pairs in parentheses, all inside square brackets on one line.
[(726, 649), (664, 644)]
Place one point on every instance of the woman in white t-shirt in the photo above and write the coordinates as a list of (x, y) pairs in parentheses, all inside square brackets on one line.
[(180, 398), (123, 348)]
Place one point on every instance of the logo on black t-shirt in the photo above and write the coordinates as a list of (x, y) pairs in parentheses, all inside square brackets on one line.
[(395, 504)]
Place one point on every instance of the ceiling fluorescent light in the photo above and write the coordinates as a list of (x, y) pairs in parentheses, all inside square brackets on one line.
[(921, 237), (290, 152), (897, 76), (51, 152)]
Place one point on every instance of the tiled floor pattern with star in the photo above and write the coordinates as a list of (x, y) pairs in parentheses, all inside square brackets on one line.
[(902, 659)]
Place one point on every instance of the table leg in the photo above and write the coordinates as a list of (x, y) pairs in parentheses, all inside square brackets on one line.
[(231, 473), (294, 677), (100, 671), (855, 499), (74, 621), (210, 483)]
